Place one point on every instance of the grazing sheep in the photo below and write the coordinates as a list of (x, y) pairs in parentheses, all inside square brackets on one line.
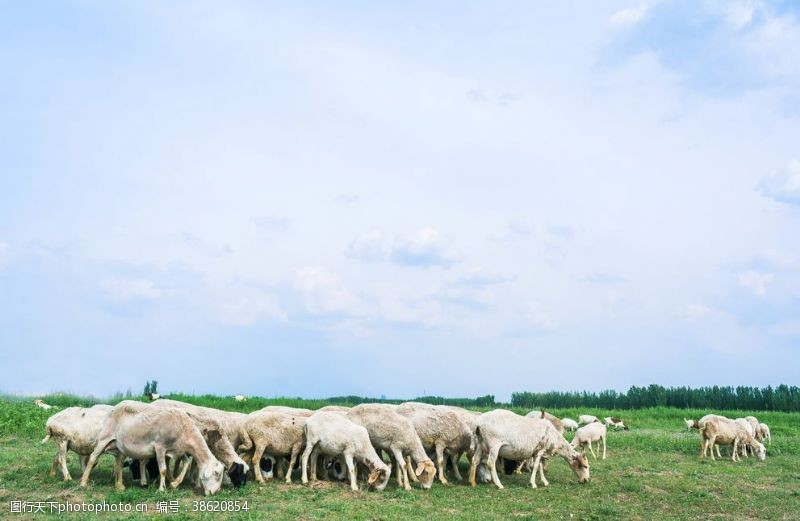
[(588, 434), (439, 429), (207, 420), (691, 424), (753, 421), (334, 435), (395, 434), (42, 405), (76, 429), (585, 419), (507, 435), (140, 432), (763, 429), (617, 423), (240, 398), (720, 430), (277, 433), (470, 419), (569, 424)]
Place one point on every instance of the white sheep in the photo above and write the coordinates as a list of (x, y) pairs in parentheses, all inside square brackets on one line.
[(617, 423), (76, 429), (439, 429), (585, 419), (42, 405), (507, 435), (395, 434), (332, 434), (569, 424), (720, 430), (590, 433), (240, 398), (763, 429)]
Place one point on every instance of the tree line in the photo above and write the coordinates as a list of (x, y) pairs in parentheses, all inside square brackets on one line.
[(781, 398)]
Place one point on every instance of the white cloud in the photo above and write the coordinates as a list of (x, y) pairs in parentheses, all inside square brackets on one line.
[(324, 292), (694, 312), (784, 186), (369, 246), (630, 15), (740, 14), (755, 281), (131, 289), (423, 248), (250, 307)]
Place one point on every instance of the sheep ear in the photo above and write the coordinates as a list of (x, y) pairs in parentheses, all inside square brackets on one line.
[(420, 469), (373, 477), (213, 437)]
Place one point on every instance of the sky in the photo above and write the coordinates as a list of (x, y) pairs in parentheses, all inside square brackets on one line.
[(447, 198)]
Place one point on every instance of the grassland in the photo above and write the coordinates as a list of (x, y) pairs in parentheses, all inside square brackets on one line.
[(653, 471)]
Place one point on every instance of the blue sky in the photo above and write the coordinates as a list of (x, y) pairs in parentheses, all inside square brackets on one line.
[(446, 198)]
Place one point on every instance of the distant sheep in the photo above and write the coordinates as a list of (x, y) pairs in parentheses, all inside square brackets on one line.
[(763, 429), (588, 434), (569, 424), (724, 431), (586, 419), (240, 398), (612, 421), (42, 405)]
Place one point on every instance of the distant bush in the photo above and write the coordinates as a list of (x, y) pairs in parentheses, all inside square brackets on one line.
[(781, 398)]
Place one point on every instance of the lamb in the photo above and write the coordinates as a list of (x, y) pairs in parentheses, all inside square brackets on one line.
[(588, 434), (223, 449), (439, 429), (276, 433), (763, 429), (139, 431), (721, 430), (508, 435), (76, 429), (569, 424), (585, 419), (42, 405), (612, 421), (395, 434), (334, 435)]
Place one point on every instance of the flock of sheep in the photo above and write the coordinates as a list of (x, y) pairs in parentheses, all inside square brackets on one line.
[(742, 434), (176, 440)]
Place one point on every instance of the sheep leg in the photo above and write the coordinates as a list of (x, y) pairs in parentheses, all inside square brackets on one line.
[(351, 470), (303, 463), (734, 451), (454, 458), (440, 460), (162, 468), (257, 453), (718, 453), (473, 465), (142, 472), (410, 470), (101, 446), (119, 460), (56, 464), (402, 476), (537, 461), (541, 474), (62, 454), (711, 442), (292, 460), (591, 450), (185, 464), (492, 464), (279, 467), (604, 447)]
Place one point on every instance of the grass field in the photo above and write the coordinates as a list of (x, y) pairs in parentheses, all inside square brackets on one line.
[(653, 471)]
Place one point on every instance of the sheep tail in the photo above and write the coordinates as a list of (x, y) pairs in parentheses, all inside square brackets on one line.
[(47, 435)]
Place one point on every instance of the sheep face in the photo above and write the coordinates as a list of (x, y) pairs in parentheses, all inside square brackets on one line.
[(267, 467), (211, 477), (378, 478), (761, 451), (580, 465), (425, 471)]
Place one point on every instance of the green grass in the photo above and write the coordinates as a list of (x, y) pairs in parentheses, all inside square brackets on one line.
[(653, 471)]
